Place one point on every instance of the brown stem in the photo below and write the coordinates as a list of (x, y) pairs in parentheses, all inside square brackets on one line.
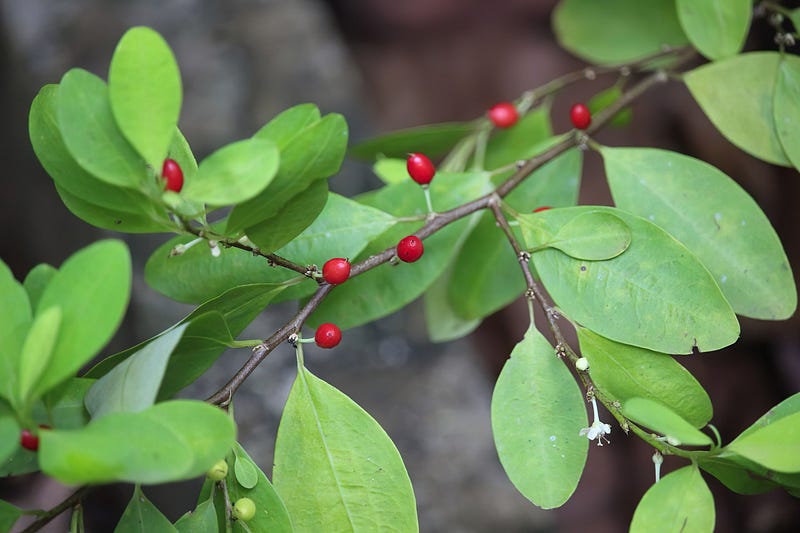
[(48, 516)]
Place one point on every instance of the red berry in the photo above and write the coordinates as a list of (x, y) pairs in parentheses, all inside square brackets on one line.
[(581, 116), (420, 168), (543, 208), (410, 248), (172, 173), (503, 115), (328, 335), (28, 440), (336, 271)]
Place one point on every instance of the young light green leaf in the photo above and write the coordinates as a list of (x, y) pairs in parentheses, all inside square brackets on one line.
[(537, 413), (9, 514), (244, 468), (203, 518), (335, 467), (234, 173), (169, 441), (623, 372), (717, 28), (787, 112), (661, 419), (593, 236), (287, 124), (656, 295), (719, 222), (680, 502), (433, 140), (391, 170), (737, 96), (132, 385), (37, 351), (144, 87), (15, 310), (773, 445), (9, 437), (92, 289), (628, 30), (141, 516), (91, 134), (36, 280)]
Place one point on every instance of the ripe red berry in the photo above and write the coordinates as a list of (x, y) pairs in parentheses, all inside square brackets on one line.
[(172, 173), (328, 335), (420, 168), (580, 116), (410, 248), (503, 115), (543, 208), (28, 440), (336, 270)]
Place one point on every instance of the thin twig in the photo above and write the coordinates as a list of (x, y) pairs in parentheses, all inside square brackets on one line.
[(49, 515)]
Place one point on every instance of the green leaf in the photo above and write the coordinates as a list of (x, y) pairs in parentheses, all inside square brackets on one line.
[(335, 467), (92, 289), (510, 145), (291, 220), (109, 219), (604, 99), (234, 173), (774, 444), (623, 372), (244, 468), (132, 385), (141, 516), (9, 438), (656, 295), (592, 236), (718, 222), (555, 184), (287, 124), (680, 502), (15, 310), (36, 281), (37, 351), (740, 479), (737, 96), (391, 170), (717, 28), (313, 154), (441, 319), (204, 518), (63, 407), (789, 406), (787, 112), (537, 413), (432, 140), (9, 514), (144, 87), (91, 135), (385, 289), (616, 31), (169, 441), (663, 420)]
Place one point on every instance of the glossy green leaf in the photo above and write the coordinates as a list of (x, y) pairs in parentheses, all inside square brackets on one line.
[(616, 31), (313, 154), (441, 319), (787, 112), (144, 87), (737, 96), (287, 124), (773, 445), (604, 99), (656, 295), (661, 419), (537, 413), (36, 281), (92, 289), (387, 288), (141, 516), (271, 514), (714, 218), (15, 310), (592, 236), (510, 145), (37, 350), (132, 385), (623, 372), (9, 436), (105, 218), (391, 170), (335, 467), (244, 469), (432, 140), (291, 220), (91, 134), (202, 519), (169, 441), (9, 514), (717, 28), (234, 173), (679, 503)]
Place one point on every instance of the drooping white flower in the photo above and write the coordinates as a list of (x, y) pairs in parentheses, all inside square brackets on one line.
[(598, 430)]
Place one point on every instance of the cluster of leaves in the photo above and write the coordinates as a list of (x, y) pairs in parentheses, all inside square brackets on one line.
[(664, 272)]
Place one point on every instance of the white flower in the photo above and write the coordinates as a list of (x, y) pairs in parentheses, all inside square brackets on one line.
[(598, 430)]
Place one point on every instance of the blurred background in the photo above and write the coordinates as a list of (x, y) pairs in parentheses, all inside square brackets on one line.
[(384, 65)]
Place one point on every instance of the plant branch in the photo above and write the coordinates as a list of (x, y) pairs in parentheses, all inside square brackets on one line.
[(46, 517)]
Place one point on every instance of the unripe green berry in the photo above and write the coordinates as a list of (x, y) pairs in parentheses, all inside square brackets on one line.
[(244, 509), (218, 471)]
